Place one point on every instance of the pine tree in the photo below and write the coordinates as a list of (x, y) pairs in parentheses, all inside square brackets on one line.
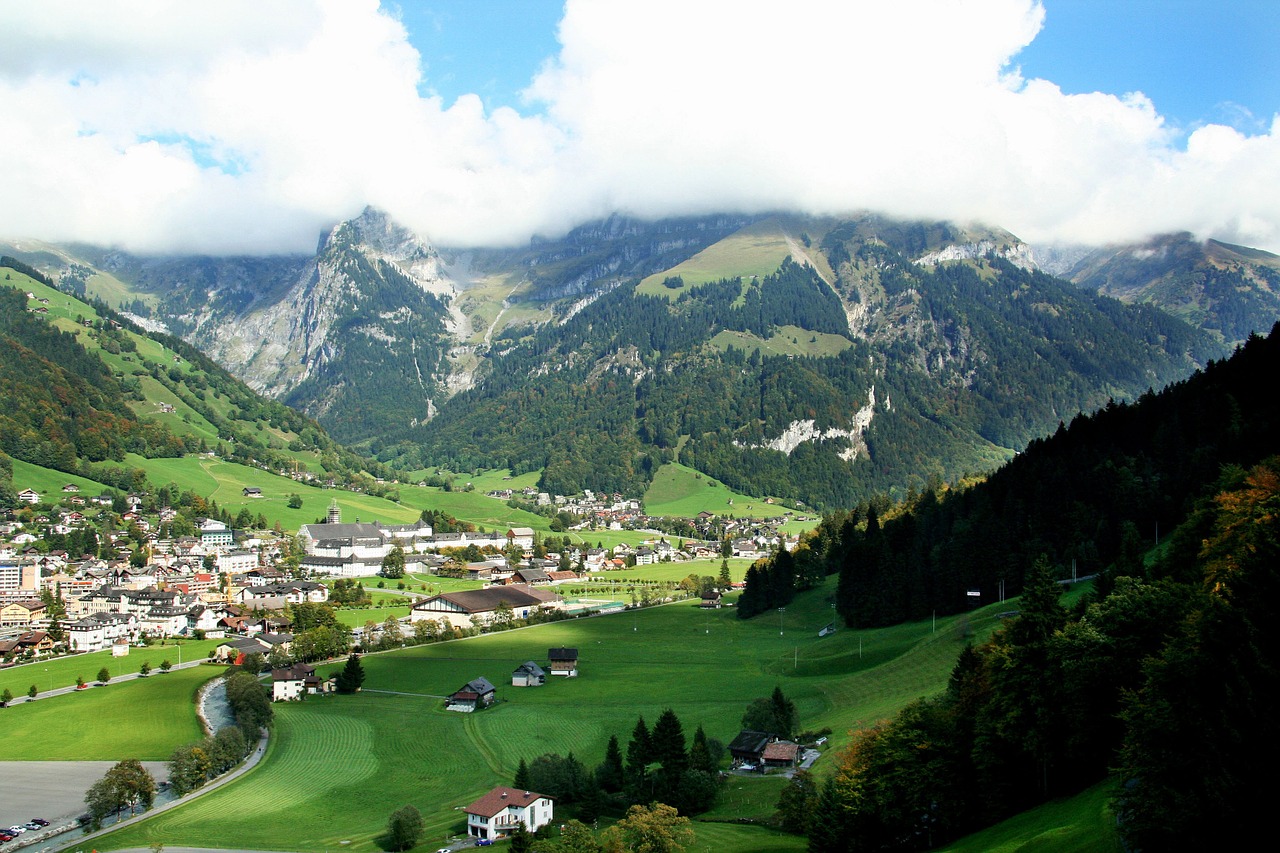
[(521, 780), (611, 774), (700, 753), (352, 675)]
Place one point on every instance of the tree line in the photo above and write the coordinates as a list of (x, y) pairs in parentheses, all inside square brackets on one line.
[(1093, 496), (1165, 682)]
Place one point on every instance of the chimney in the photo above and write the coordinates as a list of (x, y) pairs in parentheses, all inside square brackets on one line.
[(504, 795)]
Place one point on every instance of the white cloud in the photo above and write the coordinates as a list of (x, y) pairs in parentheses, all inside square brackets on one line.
[(249, 126)]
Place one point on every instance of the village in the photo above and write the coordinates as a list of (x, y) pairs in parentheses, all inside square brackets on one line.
[(145, 584)]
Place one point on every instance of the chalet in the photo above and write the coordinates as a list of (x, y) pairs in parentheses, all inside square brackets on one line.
[(234, 651), (70, 488), (496, 814), (528, 674), (251, 492), (531, 576), (749, 746), (32, 641), (293, 683), (475, 694), (711, 599), (564, 661), (780, 753), (29, 496)]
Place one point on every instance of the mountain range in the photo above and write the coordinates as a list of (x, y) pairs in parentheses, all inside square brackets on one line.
[(816, 359)]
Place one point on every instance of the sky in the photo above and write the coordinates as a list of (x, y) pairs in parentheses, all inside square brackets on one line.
[(251, 126)]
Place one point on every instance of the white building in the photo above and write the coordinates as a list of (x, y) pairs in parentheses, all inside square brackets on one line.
[(496, 814)]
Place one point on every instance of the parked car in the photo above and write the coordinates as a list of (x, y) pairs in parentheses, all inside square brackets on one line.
[(33, 826), (17, 830), (485, 842), (40, 821)]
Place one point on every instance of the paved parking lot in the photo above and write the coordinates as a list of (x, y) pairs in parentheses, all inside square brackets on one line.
[(53, 790)]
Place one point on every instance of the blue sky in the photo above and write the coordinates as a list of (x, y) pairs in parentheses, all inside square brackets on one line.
[(250, 126), (1199, 61)]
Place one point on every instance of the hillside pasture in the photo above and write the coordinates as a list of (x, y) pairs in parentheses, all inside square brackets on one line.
[(756, 250), (348, 761), (785, 340), (678, 490), (49, 482), (1084, 823)]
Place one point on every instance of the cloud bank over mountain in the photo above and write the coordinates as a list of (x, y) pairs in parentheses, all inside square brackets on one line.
[(246, 127)]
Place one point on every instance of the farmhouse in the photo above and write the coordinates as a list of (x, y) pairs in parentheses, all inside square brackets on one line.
[(780, 753), (294, 682), (563, 661), (475, 694), (528, 674), (749, 746), (476, 606), (496, 814), (710, 599)]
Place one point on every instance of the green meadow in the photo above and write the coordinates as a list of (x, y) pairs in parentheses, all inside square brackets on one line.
[(346, 762), (1084, 823), (785, 340), (62, 671), (357, 617), (678, 490), (757, 250), (49, 482), (145, 718)]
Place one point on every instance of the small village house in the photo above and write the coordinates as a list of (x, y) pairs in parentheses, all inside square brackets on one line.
[(496, 814)]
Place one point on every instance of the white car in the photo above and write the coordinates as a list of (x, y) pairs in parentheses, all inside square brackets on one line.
[(17, 830)]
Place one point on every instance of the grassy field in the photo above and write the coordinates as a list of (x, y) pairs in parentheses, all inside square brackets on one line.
[(49, 482), (358, 617), (145, 719), (680, 490), (786, 340), (1080, 824), (759, 249), (347, 762), (62, 671)]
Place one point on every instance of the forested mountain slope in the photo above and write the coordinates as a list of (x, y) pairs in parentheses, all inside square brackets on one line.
[(884, 374), (1231, 291), (817, 359), (1162, 678), (81, 386)]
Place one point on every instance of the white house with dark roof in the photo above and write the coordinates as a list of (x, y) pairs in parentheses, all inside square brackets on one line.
[(467, 607), (496, 814)]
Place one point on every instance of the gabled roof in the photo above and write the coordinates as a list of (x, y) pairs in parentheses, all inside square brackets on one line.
[(562, 653), (749, 741), (479, 686), (501, 798), (484, 600), (780, 751), (531, 668)]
